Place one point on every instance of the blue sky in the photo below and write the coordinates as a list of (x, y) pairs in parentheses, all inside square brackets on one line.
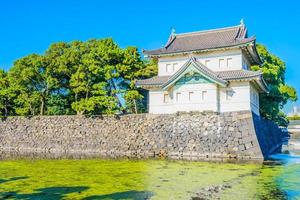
[(31, 26)]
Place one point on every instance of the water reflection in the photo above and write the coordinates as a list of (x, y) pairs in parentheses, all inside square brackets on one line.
[(288, 180)]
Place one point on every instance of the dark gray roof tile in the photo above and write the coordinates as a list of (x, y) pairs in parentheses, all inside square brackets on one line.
[(225, 75), (238, 74), (154, 81), (202, 40)]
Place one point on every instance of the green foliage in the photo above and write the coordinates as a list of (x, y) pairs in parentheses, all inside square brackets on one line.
[(92, 77), (280, 93), (58, 105), (32, 79), (132, 97), (7, 94)]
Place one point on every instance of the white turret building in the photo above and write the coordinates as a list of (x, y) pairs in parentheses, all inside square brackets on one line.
[(206, 71)]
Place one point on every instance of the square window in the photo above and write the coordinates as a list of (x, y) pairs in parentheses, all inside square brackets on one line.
[(229, 62), (166, 98), (191, 96), (204, 94), (175, 66), (178, 96), (221, 63), (168, 67)]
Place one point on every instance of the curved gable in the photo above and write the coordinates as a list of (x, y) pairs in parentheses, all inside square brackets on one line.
[(194, 67)]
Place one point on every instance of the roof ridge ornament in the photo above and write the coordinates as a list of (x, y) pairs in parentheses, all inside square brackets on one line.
[(171, 37), (173, 31), (242, 32), (242, 22)]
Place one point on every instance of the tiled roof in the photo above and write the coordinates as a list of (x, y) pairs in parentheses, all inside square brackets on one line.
[(202, 40), (209, 40), (225, 75), (238, 74), (154, 81)]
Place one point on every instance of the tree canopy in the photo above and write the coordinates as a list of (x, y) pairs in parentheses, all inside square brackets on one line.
[(7, 95), (92, 77), (98, 77), (273, 69)]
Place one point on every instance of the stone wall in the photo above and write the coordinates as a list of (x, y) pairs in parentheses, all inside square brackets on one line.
[(179, 136)]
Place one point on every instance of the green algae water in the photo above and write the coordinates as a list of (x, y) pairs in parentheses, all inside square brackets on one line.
[(151, 179), (148, 179)]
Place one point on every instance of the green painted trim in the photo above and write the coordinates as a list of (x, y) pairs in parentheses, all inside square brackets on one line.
[(186, 69)]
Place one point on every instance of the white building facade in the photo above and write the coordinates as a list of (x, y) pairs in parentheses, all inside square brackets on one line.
[(206, 71)]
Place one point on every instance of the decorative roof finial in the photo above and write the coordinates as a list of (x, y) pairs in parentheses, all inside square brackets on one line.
[(171, 37), (242, 21), (173, 31)]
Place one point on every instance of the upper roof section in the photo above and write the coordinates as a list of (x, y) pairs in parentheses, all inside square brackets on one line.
[(229, 37)]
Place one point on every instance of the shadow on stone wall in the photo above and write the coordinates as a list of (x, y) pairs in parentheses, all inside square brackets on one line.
[(269, 135)]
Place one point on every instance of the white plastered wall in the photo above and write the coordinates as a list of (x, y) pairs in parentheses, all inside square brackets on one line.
[(238, 96), (192, 97), (211, 59), (235, 97)]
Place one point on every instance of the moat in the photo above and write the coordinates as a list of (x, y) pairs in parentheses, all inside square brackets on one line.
[(150, 179)]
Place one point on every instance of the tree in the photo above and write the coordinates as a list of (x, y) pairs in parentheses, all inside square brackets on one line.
[(34, 82), (7, 95), (92, 77), (273, 69), (88, 75), (65, 59), (57, 104), (150, 69), (92, 83), (134, 68)]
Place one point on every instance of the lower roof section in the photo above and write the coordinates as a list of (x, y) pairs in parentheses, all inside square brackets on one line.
[(229, 76)]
